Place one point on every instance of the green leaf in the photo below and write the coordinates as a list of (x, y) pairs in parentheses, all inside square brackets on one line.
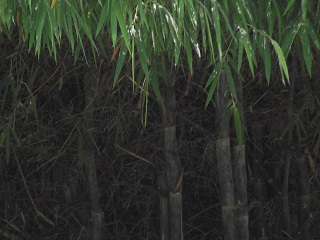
[(210, 40), (304, 8), (187, 46), (123, 26), (267, 59), (142, 13), (289, 38), (213, 81), (103, 16), (69, 31), (231, 82), (313, 34), (289, 5), (114, 29), (40, 20), (248, 48), (306, 48), (281, 59), (191, 13), (155, 85), (85, 28), (240, 54), (122, 56), (217, 27), (237, 124), (270, 18), (142, 56), (180, 18)]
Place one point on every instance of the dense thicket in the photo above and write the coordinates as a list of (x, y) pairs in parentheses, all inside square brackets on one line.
[(88, 129)]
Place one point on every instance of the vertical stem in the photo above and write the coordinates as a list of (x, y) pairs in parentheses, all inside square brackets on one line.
[(90, 159), (240, 176), (261, 229), (304, 191), (285, 200), (174, 170), (164, 202), (285, 182), (224, 159)]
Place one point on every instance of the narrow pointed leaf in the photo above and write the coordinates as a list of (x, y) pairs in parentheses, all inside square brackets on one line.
[(217, 28), (289, 5), (313, 34), (237, 124), (142, 56), (281, 58), (267, 60), (213, 81), (289, 39), (187, 47), (231, 82), (240, 54), (122, 56), (123, 27), (103, 16), (306, 49)]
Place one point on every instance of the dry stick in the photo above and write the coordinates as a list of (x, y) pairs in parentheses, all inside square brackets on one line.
[(134, 155), (38, 213)]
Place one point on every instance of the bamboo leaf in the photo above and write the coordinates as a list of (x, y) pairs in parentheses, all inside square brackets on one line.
[(103, 16), (123, 26), (187, 47), (240, 54), (231, 82), (289, 5), (267, 60), (69, 31), (40, 20), (313, 34), (270, 18), (155, 85), (114, 29), (281, 59), (217, 27), (237, 124), (289, 39), (180, 18), (248, 48), (306, 48), (142, 56), (85, 28), (122, 56), (304, 9), (210, 40), (212, 82), (192, 13), (142, 13)]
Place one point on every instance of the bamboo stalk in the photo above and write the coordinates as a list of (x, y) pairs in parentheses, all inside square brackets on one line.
[(224, 159), (90, 160), (174, 170)]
